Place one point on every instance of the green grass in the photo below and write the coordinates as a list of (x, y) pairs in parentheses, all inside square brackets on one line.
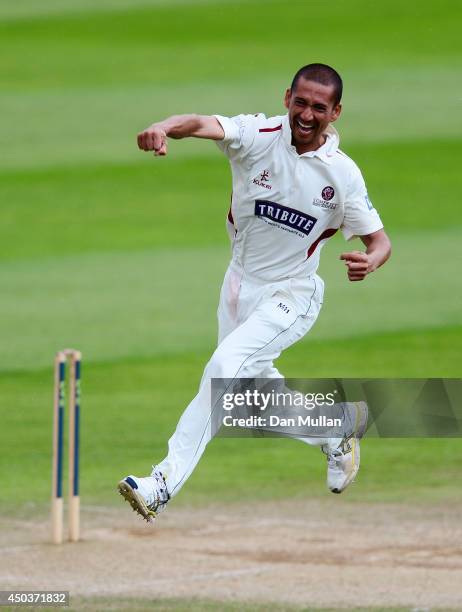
[(131, 407), (129, 304), (138, 604), (182, 202), (206, 605), (121, 255)]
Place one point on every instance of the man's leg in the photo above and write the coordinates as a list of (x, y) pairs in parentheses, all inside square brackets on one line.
[(245, 352)]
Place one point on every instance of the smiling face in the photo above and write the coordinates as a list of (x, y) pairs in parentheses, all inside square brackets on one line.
[(311, 107)]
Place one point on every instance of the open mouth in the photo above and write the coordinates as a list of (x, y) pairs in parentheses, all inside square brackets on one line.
[(305, 128)]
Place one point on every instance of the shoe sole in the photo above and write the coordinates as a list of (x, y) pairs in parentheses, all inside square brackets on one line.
[(136, 501)]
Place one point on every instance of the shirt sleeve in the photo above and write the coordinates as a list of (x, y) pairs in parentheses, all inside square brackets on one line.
[(360, 217), (239, 137)]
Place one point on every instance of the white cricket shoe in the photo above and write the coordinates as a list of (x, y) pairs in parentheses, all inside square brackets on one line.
[(342, 464), (148, 496), (343, 456)]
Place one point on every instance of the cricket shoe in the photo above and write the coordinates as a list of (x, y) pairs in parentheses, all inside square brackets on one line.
[(148, 496), (343, 454)]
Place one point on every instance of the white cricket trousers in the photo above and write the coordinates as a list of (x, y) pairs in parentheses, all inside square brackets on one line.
[(257, 321)]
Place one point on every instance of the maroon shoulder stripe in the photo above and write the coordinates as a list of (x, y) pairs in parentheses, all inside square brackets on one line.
[(326, 234), (275, 129)]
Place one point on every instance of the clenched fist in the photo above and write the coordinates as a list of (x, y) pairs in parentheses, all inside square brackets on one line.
[(153, 138), (358, 265)]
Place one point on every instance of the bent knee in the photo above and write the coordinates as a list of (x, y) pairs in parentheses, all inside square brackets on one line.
[(224, 364)]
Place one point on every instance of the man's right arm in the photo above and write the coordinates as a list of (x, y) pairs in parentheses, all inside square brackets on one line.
[(154, 138)]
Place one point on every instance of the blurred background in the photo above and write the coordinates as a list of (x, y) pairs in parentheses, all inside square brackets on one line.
[(121, 254)]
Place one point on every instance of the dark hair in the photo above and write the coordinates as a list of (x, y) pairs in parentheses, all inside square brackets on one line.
[(321, 73)]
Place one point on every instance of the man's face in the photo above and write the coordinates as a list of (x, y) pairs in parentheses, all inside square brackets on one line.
[(311, 108)]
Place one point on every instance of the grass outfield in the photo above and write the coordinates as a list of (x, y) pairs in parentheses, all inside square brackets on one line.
[(121, 255), (196, 605), (131, 407), (205, 605)]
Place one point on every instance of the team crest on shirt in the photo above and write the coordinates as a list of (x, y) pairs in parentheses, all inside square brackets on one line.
[(325, 201), (328, 193), (263, 180)]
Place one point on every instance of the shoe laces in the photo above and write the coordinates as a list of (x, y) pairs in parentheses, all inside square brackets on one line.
[(335, 455), (160, 495)]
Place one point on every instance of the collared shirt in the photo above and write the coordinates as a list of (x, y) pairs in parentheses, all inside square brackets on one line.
[(284, 205)]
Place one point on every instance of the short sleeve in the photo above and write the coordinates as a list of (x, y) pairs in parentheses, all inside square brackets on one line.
[(240, 134), (360, 216)]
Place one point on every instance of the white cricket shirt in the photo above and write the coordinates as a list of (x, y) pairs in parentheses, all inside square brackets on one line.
[(284, 205)]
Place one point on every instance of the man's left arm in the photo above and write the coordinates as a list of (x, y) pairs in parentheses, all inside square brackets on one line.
[(359, 264)]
